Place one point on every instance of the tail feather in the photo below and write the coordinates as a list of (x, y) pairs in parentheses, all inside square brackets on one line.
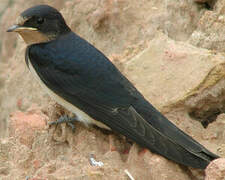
[(172, 145)]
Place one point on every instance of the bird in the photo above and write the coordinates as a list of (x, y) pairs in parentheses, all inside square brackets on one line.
[(82, 79)]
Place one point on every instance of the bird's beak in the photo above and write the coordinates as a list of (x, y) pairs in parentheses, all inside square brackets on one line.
[(18, 28)]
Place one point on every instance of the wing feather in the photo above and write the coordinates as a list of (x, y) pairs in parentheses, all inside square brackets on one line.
[(101, 91)]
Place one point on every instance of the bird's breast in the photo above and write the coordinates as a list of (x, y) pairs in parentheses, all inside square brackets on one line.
[(82, 116)]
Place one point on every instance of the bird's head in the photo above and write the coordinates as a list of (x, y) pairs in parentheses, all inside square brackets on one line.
[(39, 24)]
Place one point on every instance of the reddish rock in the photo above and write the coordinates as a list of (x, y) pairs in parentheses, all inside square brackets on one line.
[(24, 125), (37, 164), (216, 170), (152, 166)]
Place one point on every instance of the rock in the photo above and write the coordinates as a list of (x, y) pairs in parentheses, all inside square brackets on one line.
[(4, 150), (216, 170), (210, 31), (182, 19), (5, 166), (21, 156), (160, 68), (24, 125), (152, 166)]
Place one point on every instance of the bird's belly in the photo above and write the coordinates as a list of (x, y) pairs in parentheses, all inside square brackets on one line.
[(82, 116)]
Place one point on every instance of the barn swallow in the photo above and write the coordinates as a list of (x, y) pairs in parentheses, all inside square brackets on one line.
[(83, 80)]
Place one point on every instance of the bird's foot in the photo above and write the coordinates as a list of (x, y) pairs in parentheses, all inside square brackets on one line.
[(65, 119)]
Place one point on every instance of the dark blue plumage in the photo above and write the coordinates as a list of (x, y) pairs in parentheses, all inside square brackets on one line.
[(83, 79), (82, 75)]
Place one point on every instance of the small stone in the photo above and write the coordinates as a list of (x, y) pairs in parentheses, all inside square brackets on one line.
[(216, 170)]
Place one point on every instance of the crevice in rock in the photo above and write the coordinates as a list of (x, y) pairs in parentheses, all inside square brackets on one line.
[(209, 5), (206, 101), (206, 106), (206, 116)]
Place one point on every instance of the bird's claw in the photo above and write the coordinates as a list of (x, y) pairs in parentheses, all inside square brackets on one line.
[(65, 119)]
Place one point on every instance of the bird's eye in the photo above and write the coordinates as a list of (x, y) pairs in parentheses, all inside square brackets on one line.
[(40, 20)]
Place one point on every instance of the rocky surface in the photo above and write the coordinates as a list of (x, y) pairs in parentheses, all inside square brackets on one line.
[(216, 170), (209, 33), (172, 51)]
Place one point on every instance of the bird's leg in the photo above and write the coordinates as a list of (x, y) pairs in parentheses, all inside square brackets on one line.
[(65, 119)]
